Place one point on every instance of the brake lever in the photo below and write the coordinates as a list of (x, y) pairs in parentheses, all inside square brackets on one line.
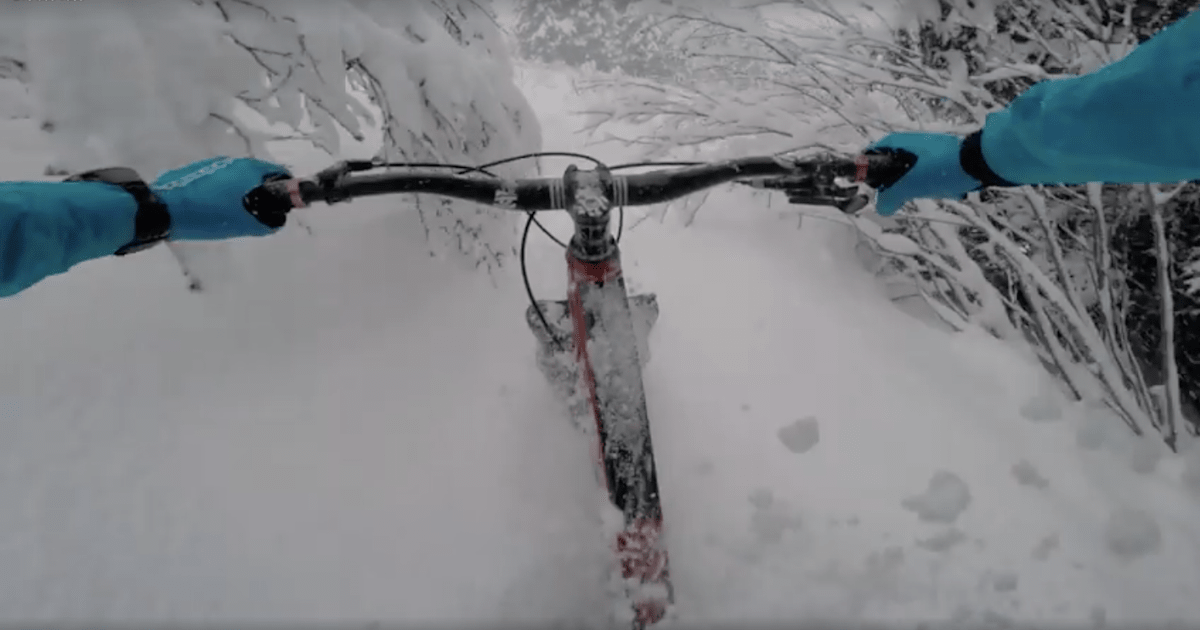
[(848, 204), (855, 203), (807, 189)]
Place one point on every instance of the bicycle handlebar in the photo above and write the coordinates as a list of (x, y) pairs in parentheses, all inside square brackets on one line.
[(876, 168)]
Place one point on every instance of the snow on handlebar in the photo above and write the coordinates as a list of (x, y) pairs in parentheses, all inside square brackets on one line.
[(810, 180)]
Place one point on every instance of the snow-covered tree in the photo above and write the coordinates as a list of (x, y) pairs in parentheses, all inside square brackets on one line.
[(605, 35), (1031, 265), (157, 85), (1138, 302)]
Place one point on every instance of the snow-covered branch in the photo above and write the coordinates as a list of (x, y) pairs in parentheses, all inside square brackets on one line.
[(154, 86)]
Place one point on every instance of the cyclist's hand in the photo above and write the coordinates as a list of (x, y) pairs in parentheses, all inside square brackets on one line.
[(937, 173), (205, 198)]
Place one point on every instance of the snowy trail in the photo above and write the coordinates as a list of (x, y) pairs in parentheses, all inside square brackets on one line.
[(346, 429), (824, 533)]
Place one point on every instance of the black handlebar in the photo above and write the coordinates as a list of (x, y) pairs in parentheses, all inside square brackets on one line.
[(809, 180)]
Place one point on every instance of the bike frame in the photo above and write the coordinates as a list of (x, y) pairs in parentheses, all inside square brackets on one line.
[(592, 345)]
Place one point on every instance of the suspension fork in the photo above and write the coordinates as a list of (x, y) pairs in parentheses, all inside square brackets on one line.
[(595, 351)]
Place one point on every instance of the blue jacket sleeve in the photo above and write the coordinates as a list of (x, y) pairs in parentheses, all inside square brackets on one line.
[(1135, 120), (47, 227)]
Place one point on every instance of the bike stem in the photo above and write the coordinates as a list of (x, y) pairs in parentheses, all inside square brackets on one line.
[(590, 207)]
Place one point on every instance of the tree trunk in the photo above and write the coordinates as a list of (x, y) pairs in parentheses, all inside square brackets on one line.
[(1170, 401)]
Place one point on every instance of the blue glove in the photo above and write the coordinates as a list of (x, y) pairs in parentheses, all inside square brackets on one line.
[(937, 174), (204, 198)]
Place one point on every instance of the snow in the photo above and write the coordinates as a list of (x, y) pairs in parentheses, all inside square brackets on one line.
[(944, 499), (1043, 407), (350, 430), (1132, 533), (1027, 475), (1002, 581), (801, 435)]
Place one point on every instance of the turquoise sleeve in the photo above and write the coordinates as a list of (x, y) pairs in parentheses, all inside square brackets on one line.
[(48, 227), (1136, 120)]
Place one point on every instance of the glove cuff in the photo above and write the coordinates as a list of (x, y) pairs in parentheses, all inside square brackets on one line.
[(152, 223), (970, 158)]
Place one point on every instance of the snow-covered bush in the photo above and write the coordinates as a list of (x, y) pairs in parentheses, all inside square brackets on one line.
[(1110, 241), (1032, 266), (157, 85)]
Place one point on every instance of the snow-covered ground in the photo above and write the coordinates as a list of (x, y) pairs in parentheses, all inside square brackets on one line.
[(346, 428)]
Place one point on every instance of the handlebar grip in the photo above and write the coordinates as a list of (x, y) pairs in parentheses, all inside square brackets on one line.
[(271, 202), (880, 168)]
